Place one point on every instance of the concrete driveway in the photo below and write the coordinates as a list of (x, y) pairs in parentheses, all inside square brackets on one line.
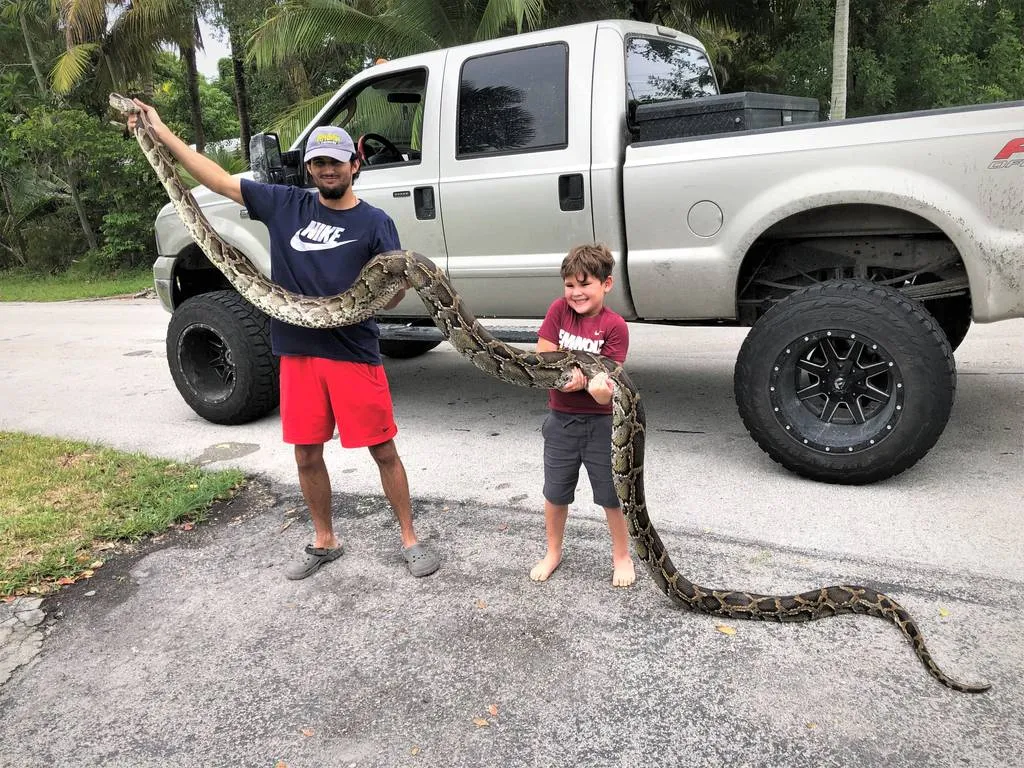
[(196, 650)]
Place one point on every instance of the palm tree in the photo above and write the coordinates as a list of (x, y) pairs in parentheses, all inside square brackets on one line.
[(384, 28), (840, 50), (107, 51), (175, 22), (125, 48)]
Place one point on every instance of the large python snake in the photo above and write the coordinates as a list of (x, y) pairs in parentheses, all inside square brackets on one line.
[(392, 271)]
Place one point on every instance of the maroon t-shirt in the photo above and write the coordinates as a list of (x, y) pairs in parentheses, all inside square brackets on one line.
[(604, 334)]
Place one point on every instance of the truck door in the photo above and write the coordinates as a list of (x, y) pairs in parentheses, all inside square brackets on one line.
[(391, 112), (515, 168)]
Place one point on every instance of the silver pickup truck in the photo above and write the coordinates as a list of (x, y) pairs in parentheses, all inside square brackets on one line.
[(859, 250)]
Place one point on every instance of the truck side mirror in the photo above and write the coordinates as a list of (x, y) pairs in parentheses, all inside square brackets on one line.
[(269, 165)]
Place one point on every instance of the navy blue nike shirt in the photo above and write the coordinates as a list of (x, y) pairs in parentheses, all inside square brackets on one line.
[(318, 251)]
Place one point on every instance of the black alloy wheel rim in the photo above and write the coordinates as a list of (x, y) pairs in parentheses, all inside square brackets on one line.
[(836, 391), (205, 360)]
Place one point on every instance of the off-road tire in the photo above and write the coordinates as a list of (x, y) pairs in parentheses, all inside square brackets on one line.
[(846, 382), (218, 350)]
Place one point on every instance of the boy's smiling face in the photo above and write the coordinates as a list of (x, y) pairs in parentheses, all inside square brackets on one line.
[(585, 293)]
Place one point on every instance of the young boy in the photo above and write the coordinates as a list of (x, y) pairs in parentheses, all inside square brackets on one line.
[(578, 430)]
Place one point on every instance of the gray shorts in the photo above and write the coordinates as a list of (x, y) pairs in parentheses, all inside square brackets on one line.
[(572, 439)]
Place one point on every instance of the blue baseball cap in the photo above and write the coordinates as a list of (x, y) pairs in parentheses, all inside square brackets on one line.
[(330, 141)]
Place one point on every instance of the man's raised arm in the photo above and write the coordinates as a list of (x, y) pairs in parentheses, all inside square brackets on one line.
[(203, 169)]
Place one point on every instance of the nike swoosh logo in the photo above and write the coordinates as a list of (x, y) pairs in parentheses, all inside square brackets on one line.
[(301, 245)]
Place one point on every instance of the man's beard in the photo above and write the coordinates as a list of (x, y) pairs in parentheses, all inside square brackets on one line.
[(333, 193)]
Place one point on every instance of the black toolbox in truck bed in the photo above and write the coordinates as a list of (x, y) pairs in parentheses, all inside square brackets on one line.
[(724, 113)]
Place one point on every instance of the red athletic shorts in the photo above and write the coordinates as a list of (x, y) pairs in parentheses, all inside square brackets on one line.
[(317, 393)]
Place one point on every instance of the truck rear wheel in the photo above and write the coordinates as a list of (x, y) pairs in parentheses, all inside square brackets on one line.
[(845, 382), (218, 350), (402, 350)]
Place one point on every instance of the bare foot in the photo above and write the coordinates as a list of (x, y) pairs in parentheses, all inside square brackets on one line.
[(623, 574), (545, 567)]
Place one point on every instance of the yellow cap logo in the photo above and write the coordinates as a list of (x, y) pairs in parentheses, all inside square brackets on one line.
[(328, 138)]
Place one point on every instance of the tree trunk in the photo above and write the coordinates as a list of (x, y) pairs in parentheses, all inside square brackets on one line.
[(297, 79), (33, 59), (840, 49), (90, 236), (241, 89), (188, 55)]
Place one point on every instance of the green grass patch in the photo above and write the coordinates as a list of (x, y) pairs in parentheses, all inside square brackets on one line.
[(23, 286), (62, 503)]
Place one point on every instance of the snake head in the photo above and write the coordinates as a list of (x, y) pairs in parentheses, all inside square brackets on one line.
[(122, 104), (124, 107)]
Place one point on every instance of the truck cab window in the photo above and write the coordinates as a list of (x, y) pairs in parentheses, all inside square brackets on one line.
[(514, 101), (663, 70), (385, 118)]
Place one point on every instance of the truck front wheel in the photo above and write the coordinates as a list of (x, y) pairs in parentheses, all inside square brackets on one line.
[(845, 382), (218, 350)]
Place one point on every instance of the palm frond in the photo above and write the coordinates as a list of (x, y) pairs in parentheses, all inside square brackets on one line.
[(168, 20), (439, 20), (289, 125), (84, 20), (302, 26), (131, 47), (72, 66), (499, 13)]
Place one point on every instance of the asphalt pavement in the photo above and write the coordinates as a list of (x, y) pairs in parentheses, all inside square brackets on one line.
[(195, 650)]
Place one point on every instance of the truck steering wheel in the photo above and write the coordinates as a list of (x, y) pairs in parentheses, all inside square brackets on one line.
[(388, 153)]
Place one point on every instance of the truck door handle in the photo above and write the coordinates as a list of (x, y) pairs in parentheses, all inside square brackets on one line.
[(570, 192), (423, 200)]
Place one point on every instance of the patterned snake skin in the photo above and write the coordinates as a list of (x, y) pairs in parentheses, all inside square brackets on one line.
[(389, 272)]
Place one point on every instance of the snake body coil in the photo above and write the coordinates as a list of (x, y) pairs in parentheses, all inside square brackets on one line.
[(389, 272)]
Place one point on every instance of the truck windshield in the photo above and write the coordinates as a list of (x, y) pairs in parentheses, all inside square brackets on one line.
[(663, 70)]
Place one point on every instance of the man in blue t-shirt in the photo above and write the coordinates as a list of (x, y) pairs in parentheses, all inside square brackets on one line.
[(329, 377)]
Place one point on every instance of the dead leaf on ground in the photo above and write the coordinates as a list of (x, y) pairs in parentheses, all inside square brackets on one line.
[(481, 722), (481, 604), (65, 580), (943, 612), (493, 709), (96, 564), (725, 629), (88, 573), (414, 751), (812, 725), (503, 527), (308, 731), (286, 526), (188, 526)]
